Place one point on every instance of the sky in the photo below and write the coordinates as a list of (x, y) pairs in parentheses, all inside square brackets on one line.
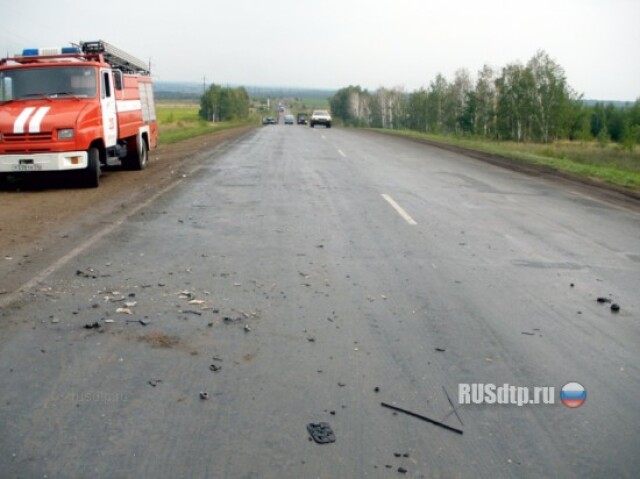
[(337, 43)]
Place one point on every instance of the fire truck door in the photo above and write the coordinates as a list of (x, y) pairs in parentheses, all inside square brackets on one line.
[(108, 104)]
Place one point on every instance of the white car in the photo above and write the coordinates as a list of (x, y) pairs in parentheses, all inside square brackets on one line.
[(320, 117)]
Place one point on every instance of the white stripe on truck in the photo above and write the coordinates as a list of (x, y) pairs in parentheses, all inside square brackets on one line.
[(36, 120), (124, 106), (18, 126)]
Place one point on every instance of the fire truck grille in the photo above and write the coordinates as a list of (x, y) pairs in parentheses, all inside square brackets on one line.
[(26, 137)]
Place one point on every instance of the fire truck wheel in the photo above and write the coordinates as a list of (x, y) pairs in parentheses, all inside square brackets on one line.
[(138, 160), (91, 176)]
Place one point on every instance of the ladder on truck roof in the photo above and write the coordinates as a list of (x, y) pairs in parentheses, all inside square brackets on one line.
[(116, 57)]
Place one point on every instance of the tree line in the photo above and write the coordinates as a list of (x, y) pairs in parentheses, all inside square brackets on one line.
[(519, 102), (222, 104)]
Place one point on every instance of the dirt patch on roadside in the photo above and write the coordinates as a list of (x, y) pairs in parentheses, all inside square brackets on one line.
[(158, 339), (40, 224)]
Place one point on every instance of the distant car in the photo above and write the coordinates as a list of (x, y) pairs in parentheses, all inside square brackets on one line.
[(302, 118), (320, 117), (269, 121), (288, 119)]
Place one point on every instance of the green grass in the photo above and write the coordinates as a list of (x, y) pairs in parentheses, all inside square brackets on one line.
[(609, 163), (178, 122)]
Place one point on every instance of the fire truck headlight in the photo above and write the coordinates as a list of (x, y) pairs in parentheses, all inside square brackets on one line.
[(65, 134)]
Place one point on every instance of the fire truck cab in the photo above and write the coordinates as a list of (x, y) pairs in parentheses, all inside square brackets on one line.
[(78, 108)]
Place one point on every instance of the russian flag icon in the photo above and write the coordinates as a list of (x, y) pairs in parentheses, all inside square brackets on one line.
[(573, 395)]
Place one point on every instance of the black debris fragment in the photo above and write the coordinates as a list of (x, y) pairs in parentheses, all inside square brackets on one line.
[(311, 340), (376, 389), (94, 325), (397, 454), (140, 321), (321, 432), (615, 307), (402, 470), (603, 300), (204, 395), (190, 311), (89, 273), (154, 382), (215, 368), (424, 418), (528, 333), (440, 350), (228, 319), (341, 385)]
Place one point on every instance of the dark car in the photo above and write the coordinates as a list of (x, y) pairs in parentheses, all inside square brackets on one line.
[(269, 121), (302, 118)]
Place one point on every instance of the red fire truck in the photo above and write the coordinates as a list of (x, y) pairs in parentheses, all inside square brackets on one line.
[(75, 108)]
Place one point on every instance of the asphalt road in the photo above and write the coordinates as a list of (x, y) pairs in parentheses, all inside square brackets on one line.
[(279, 264)]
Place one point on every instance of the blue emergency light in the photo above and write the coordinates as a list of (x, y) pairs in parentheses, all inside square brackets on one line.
[(36, 52)]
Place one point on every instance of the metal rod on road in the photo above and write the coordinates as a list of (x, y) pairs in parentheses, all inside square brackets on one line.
[(424, 418)]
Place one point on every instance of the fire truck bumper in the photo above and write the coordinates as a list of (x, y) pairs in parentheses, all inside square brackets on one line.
[(68, 160)]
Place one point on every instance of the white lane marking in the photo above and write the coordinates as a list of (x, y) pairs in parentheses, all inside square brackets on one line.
[(342, 153), (18, 126), (36, 120), (399, 209)]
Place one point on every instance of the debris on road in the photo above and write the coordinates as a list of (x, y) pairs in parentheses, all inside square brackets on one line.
[(88, 273), (94, 325), (615, 307), (154, 382), (190, 311), (528, 333), (321, 432), (215, 368), (453, 407), (376, 389), (402, 470), (246, 328), (440, 350), (603, 300), (204, 395), (141, 321), (186, 295), (424, 418), (124, 311)]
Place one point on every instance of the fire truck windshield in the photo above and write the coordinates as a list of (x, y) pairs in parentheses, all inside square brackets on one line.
[(48, 82)]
